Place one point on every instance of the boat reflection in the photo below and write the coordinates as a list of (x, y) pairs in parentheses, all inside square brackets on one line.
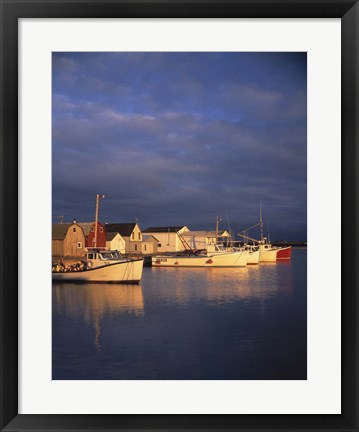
[(93, 301)]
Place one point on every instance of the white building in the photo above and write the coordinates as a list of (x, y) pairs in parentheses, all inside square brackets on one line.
[(204, 239), (170, 239), (130, 232), (115, 241), (149, 245)]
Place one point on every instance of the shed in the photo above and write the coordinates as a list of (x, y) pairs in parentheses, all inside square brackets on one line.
[(114, 241), (149, 245), (68, 240)]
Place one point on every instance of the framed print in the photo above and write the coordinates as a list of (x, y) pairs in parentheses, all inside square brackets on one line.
[(161, 120)]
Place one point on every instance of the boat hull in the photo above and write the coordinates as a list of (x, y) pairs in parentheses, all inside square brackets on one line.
[(124, 272), (233, 259), (284, 254), (253, 258), (267, 255)]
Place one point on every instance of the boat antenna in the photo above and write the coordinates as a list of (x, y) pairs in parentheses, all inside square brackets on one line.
[(96, 216), (260, 219)]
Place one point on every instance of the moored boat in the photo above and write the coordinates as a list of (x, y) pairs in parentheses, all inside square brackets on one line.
[(284, 253), (100, 266), (217, 256), (267, 253), (214, 255), (270, 253), (254, 254)]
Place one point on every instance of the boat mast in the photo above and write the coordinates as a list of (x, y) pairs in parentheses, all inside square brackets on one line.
[(260, 219), (218, 219), (244, 233), (230, 233), (268, 232), (96, 216)]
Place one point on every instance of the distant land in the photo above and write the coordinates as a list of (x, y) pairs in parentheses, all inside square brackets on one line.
[(289, 243)]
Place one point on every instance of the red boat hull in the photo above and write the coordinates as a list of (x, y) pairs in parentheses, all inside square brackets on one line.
[(284, 254)]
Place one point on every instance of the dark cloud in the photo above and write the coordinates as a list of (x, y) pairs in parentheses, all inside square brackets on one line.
[(179, 138)]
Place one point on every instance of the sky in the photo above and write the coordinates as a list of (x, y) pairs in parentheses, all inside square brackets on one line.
[(181, 138)]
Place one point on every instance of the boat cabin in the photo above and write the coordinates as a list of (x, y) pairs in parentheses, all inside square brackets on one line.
[(102, 256), (250, 248), (216, 248)]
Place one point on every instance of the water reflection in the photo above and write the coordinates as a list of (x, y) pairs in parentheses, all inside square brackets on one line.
[(219, 285), (220, 323), (93, 301)]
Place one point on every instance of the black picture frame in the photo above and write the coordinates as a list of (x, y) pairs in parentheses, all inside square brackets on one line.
[(11, 11)]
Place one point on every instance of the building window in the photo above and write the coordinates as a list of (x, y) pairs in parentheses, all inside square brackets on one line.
[(139, 236), (159, 244), (135, 247), (101, 229), (73, 229), (133, 236), (92, 229), (79, 245), (145, 248)]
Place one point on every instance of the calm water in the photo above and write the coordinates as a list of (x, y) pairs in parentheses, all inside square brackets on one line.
[(248, 323)]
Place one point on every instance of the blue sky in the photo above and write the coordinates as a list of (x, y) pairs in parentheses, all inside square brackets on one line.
[(179, 138)]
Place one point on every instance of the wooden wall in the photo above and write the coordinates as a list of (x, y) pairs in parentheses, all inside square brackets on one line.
[(70, 245)]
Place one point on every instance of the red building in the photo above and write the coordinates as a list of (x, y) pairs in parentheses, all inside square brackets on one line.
[(89, 230)]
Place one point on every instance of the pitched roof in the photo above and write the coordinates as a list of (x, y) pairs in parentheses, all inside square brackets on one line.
[(172, 229), (125, 229), (59, 231), (86, 226), (149, 238), (110, 235)]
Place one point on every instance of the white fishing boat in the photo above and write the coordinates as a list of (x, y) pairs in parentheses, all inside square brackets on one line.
[(216, 256), (100, 266), (254, 254), (267, 253)]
